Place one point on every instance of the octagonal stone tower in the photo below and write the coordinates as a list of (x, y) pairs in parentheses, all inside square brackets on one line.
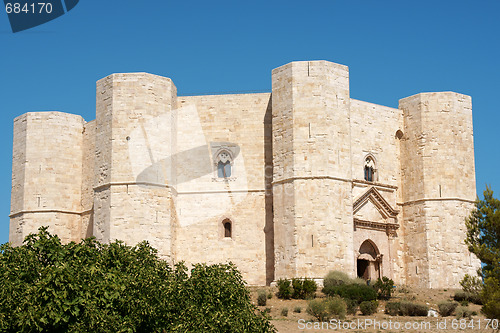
[(312, 191), (438, 187)]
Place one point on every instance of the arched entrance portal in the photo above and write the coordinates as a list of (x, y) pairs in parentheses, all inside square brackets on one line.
[(369, 261)]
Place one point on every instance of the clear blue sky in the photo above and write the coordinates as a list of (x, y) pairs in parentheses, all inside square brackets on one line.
[(394, 49)]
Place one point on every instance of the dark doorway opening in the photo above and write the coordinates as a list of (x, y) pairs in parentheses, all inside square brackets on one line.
[(363, 269)]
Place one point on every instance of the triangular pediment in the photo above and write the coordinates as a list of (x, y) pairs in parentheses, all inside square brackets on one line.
[(374, 200), (368, 211)]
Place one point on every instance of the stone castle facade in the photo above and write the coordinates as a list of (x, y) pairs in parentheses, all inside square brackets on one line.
[(292, 183)]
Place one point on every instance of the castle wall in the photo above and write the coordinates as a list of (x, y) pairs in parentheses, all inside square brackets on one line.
[(373, 133), (88, 164), (47, 175), (203, 201)]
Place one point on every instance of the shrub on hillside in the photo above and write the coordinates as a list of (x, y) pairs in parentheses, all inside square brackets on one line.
[(463, 312), (92, 287), (447, 308), (384, 287), (368, 307), (392, 308), (261, 298), (284, 289), (356, 292), (303, 288), (352, 306), (406, 308), (472, 284), (309, 288), (325, 309), (336, 278), (462, 296)]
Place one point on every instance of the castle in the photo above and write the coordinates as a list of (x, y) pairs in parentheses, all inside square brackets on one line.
[(292, 183)]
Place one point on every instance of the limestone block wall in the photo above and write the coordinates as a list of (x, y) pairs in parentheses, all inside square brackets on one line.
[(88, 178), (47, 173), (311, 185), (373, 133), (203, 201), (439, 184)]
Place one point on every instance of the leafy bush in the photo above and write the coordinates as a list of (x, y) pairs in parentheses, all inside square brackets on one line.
[(414, 309), (463, 312), (325, 309), (352, 306), (359, 280), (406, 309), (384, 287), (476, 299), (462, 296), (336, 278), (356, 292), (317, 309), (309, 288), (269, 295), (297, 309), (261, 298), (303, 288), (336, 307), (447, 308), (393, 308), (472, 284), (94, 287), (284, 289), (284, 312), (368, 307)]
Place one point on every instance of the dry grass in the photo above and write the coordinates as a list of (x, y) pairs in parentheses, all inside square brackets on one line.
[(430, 297)]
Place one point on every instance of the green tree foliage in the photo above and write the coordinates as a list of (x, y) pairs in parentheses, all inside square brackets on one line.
[(92, 287), (483, 239)]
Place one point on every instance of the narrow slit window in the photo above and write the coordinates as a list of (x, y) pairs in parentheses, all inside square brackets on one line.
[(227, 229)]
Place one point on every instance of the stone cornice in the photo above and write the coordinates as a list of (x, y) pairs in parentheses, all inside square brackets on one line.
[(376, 225), (433, 199), (62, 211)]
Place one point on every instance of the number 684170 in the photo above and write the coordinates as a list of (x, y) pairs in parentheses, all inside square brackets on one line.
[(33, 8)]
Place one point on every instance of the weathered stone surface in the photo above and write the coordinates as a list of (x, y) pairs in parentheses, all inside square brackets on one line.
[(276, 183)]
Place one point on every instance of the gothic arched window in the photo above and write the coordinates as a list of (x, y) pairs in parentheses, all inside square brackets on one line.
[(224, 162), (369, 169)]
